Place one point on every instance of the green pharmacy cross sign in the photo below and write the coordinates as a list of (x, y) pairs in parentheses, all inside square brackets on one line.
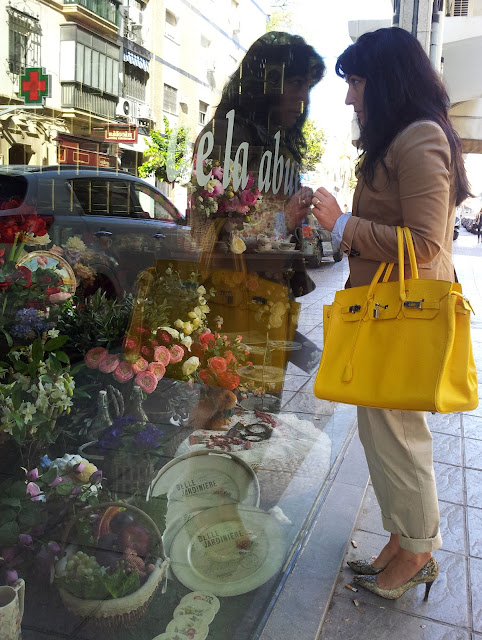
[(34, 85)]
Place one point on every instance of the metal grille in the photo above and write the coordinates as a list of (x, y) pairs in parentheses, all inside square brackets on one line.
[(461, 7), (170, 99), (24, 34)]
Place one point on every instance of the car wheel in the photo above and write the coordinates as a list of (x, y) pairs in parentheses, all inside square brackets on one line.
[(456, 234), (338, 255)]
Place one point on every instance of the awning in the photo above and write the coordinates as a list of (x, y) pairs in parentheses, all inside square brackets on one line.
[(136, 60)]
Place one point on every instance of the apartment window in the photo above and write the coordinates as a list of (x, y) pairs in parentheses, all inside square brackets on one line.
[(203, 110), (135, 82), (171, 25), (89, 60), (170, 99), (461, 7), (23, 41)]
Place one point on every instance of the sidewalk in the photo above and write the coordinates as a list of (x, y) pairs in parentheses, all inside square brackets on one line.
[(454, 607)]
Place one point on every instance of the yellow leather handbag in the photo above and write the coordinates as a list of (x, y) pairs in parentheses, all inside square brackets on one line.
[(399, 345)]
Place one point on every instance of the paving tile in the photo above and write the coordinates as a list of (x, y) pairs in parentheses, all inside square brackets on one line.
[(473, 453), (472, 426), (452, 527), (369, 518), (444, 423), (473, 481), (344, 622), (447, 601), (295, 383), (475, 565), (449, 483), (308, 403), (447, 448), (474, 520)]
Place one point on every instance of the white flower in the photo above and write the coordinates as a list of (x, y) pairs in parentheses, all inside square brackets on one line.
[(27, 409), (201, 290), (178, 323), (53, 333), (32, 239), (15, 354), (187, 341), (190, 366), (188, 328), (171, 331), (237, 245)]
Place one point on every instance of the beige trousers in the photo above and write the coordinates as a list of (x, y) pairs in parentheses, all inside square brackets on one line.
[(398, 448)]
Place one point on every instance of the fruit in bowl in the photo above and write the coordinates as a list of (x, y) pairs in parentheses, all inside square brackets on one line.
[(119, 563)]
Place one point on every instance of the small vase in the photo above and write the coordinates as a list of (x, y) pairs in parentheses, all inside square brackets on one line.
[(134, 405), (102, 419)]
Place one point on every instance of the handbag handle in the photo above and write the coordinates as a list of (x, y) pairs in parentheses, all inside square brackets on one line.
[(403, 233)]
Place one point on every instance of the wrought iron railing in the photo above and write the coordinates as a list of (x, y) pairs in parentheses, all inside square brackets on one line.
[(107, 9)]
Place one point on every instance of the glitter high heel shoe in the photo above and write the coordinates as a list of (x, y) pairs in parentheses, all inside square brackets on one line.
[(426, 575), (364, 567)]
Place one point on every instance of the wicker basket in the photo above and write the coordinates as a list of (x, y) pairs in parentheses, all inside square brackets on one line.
[(122, 612)]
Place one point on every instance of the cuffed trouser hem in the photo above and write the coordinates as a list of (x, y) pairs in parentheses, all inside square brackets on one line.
[(422, 545)]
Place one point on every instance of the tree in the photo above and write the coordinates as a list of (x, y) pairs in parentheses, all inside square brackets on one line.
[(315, 145), (168, 155), (280, 16)]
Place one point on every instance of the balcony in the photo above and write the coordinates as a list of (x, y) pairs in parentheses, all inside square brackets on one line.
[(74, 96), (99, 15)]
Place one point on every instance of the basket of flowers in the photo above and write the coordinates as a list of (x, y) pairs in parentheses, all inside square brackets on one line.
[(113, 563)]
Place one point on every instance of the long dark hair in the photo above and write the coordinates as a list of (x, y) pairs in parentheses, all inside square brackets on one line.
[(254, 89), (401, 87)]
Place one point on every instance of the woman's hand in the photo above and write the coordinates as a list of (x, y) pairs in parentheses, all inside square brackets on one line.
[(297, 208), (325, 208)]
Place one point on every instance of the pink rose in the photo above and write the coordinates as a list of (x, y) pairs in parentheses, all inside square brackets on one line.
[(232, 204), (109, 363), (217, 364), (147, 381), (123, 372), (59, 297), (94, 356), (176, 353), (242, 209), (139, 365), (250, 181), (158, 369), (217, 188), (161, 354), (222, 206), (131, 344), (55, 249), (248, 198)]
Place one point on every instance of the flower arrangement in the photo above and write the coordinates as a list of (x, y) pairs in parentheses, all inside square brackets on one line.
[(169, 313), (34, 509), (35, 387), (220, 358), (215, 201), (127, 434)]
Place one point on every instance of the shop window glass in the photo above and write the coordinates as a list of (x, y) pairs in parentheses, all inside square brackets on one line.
[(170, 99), (203, 109), (88, 66), (95, 68), (103, 198), (150, 204), (171, 25), (109, 87)]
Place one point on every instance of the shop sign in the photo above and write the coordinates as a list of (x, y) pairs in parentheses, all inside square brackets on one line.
[(74, 155), (121, 133), (34, 85)]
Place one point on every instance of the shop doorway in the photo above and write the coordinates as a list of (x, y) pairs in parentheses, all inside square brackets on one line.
[(19, 154)]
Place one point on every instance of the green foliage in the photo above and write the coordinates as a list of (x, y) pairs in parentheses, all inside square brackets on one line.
[(158, 155), (315, 145), (96, 321)]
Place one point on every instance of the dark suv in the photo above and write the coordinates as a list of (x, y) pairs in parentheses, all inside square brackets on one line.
[(124, 223)]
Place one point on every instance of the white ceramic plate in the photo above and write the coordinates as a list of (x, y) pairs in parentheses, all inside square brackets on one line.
[(228, 550), (205, 478)]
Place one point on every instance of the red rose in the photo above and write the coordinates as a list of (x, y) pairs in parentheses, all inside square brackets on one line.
[(230, 358), (229, 379), (5, 284), (206, 377), (46, 279), (217, 364), (205, 339), (164, 337), (248, 198), (23, 274), (50, 290)]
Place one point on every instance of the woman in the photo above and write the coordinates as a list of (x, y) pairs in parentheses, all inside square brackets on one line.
[(411, 174)]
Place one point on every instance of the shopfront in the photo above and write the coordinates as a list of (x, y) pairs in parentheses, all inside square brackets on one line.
[(162, 452)]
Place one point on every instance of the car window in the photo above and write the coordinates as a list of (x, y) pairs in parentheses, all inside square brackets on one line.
[(12, 191), (54, 195), (152, 205), (103, 197)]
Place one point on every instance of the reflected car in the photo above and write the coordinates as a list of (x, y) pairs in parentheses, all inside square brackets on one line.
[(115, 223)]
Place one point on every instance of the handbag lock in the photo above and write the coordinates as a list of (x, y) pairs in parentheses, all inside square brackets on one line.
[(413, 304), (376, 311)]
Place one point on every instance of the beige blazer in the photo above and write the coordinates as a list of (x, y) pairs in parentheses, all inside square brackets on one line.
[(419, 193)]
